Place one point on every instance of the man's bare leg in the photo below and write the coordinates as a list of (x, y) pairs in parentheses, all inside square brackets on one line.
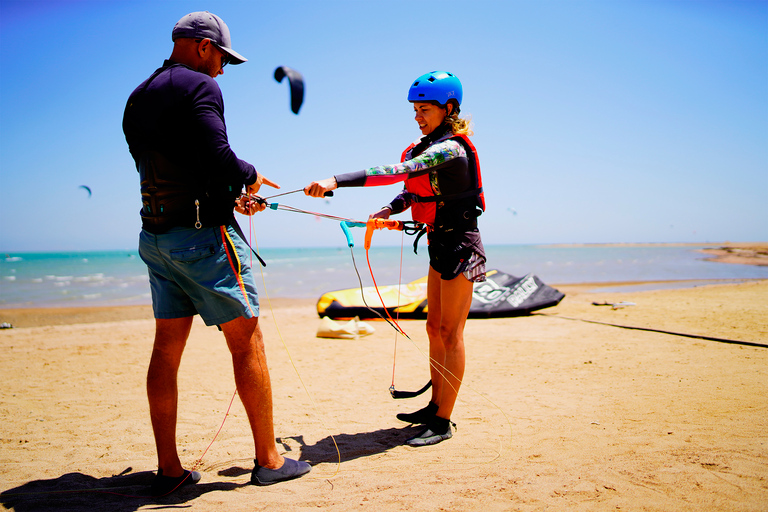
[(249, 360), (162, 389)]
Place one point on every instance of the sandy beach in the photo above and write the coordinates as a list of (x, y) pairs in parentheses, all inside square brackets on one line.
[(559, 410)]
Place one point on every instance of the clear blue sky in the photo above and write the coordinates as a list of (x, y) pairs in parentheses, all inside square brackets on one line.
[(595, 121)]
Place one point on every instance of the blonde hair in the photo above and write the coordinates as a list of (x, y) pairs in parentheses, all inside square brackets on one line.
[(459, 125)]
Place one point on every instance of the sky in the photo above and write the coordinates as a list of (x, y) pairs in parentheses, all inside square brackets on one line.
[(595, 121)]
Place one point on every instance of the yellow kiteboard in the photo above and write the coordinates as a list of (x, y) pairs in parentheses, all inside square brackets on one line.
[(406, 301)]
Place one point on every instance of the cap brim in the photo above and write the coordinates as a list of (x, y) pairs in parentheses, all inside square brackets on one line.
[(234, 57)]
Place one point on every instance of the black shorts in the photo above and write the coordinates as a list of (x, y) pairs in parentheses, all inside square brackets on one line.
[(452, 253)]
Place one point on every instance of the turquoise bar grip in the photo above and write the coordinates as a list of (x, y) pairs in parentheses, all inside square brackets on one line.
[(347, 233)]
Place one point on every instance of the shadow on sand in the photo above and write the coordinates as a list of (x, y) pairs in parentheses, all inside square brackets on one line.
[(351, 446), (128, 491)]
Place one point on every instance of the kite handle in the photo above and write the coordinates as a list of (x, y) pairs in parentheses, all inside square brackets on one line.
[(347, 233), (376, 223), (345, 225)]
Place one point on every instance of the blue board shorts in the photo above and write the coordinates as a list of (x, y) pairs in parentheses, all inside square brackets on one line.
[(200, 271)]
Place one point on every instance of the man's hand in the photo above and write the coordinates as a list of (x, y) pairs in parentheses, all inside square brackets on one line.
[(253, 188), (248, 205), (319, 188)]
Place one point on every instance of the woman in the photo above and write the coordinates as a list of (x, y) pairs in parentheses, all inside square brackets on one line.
[(443, 189)]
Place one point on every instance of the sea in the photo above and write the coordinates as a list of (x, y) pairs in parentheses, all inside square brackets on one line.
[(114, 278)]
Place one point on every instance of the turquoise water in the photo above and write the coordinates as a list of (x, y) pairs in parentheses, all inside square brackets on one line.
[(120, 277)]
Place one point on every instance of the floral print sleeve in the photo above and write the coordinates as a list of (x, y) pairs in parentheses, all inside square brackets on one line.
[(433, 156)]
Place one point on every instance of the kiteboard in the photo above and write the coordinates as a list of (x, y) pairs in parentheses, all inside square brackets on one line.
[(500, 295), (404, 301)]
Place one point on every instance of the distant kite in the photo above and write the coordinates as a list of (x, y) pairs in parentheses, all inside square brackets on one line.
[(87, 189), (296, 82)]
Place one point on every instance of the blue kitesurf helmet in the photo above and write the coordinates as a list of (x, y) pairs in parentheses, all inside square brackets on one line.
[(437, 86)]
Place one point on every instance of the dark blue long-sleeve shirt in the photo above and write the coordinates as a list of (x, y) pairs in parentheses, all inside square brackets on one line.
[(178, 113)]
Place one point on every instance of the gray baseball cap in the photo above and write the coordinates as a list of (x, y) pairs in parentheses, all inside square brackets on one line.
[(205, 25)]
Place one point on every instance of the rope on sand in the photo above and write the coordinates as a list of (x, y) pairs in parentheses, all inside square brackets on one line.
[(648, 329)]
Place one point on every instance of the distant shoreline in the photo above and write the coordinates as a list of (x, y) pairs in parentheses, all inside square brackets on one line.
[(740, 253), (759, 245)]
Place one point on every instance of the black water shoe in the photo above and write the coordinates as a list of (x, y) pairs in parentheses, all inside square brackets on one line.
[(163, 485), (420, 417), (288, 471), (439, 429)]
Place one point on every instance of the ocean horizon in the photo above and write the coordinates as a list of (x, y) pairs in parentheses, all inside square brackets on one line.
[(114, 278)]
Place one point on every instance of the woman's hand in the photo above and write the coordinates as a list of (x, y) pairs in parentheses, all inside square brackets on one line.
[(319, 188), (384, 213)]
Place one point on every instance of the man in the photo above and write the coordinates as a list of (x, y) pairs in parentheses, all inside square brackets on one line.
[(190, 184)]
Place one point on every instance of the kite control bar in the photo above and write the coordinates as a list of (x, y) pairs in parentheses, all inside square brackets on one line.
[(263, 200), (409, 227), (327, 194)]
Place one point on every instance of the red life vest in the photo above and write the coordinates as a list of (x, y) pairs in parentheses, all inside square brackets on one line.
[(426, 202)]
